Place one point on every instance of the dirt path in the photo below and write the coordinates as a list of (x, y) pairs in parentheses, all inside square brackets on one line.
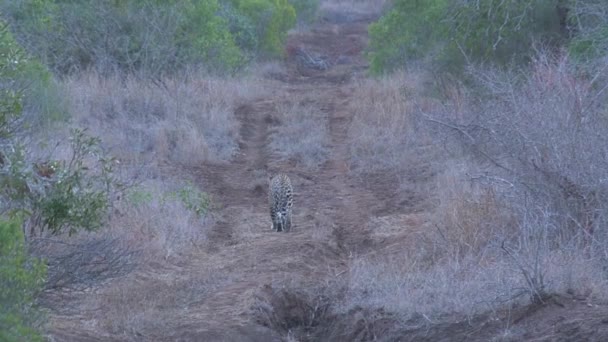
[(331, 213), (241, 185)]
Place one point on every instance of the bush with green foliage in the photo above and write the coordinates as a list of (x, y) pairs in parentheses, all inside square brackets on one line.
[(306, 10), (206, 36), (189, 195), (55, 195), (42, 102), (192, 198), (21, 278), (129, 35), (59, 195), (454, 32), (272, 19), (589, 29), (408, 31), (241, 27), (150, 35), (505, 31)]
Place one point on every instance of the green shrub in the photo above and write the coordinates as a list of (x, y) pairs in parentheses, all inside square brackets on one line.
[(21, 278), (241, 27), (503, 32), (272, 20), (588, 23), (452, 32), (189, 195), (129, 35), (55, 195), (42, 102), (151, 35), (59, 196), (406, 32), (207, 35), (306, 10), (590, 45), (192, 198), (139, 197), (74, 194)]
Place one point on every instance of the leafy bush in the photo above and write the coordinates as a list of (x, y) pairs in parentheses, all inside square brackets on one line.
[(70, 194), (457, 31), (306, 10), (590, 38), (241, 27), (53, 195), (505, 31), (21, 278), (192, 198), (41, 103), (206, 36), (59, 195), (149, 35), (406, 32), (272, 20)]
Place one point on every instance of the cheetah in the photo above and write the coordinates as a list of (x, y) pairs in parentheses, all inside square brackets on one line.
[(281, 200)]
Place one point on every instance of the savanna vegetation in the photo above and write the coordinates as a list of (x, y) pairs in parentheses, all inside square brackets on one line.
[(455, 167), (505, 102)]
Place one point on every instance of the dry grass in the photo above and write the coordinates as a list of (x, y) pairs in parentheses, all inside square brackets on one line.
[(469, 215), (270, 69), (182, 120), (448, 266), (469, 259), (406, 286), (153, 297), (151, 219), (495, 238), (382, 133), (302, 134), (150, 303), (452, 289)]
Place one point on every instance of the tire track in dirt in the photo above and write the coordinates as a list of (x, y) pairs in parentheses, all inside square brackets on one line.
[(233, 185), (241, 243)]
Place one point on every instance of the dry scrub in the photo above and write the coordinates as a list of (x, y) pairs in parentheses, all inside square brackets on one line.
[(519, 193), (302, 134), (382, 132), (472, 257), (149, 303), (153, 218), (184, 120)]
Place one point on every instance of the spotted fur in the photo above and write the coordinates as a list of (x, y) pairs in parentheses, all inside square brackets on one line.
[(281, 201)]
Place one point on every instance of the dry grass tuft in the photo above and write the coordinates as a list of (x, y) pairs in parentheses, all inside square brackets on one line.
[(498, 235), (183, 120), (408, 286), (302, 134), (382, 132), (150, 304), (160, 224), (469, 216)]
